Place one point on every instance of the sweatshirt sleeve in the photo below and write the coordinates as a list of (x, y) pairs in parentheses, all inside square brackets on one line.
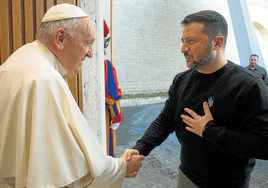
[(161, 127)]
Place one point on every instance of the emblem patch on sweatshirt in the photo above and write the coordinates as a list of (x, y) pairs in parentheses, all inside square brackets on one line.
[(211, 101)]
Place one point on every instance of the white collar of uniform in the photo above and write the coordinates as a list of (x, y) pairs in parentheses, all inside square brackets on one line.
[(52, 58), (61, 68)]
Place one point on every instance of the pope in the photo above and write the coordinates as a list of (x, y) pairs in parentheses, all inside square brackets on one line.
[(45, 141)]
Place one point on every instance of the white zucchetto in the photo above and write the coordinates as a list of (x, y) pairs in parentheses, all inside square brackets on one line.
[(63, 11)]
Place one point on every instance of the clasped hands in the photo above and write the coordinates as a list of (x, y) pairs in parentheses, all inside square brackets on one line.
[(195, 123), (133, 161)]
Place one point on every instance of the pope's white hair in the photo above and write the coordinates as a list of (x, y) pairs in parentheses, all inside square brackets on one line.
[(46, 29)]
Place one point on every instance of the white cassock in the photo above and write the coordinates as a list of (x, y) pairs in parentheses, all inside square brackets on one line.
[(45, 141)]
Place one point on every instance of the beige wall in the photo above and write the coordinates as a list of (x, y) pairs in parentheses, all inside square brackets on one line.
[(147, 41)]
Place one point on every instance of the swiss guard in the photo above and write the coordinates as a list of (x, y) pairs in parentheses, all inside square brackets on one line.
[(112, 95)]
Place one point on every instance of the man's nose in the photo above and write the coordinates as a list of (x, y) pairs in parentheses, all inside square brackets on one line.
[(184, 48), (89, 53)]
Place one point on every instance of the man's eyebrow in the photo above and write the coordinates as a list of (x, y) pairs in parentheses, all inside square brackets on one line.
[(190, 37)]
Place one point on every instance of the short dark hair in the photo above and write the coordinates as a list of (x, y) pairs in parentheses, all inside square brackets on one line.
[(215, 23), (254, 55)]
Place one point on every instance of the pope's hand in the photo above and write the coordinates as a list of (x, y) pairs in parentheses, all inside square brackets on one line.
[(133, 162)]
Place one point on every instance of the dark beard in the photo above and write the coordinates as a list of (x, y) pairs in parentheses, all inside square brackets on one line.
[(204, 61), (197, 64)]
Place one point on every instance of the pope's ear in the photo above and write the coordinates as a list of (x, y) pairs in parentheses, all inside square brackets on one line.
[(59, 37)]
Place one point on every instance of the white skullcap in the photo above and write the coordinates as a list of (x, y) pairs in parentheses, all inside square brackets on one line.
[(63, 11)]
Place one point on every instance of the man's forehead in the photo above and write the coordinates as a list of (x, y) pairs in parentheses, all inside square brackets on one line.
[(194, 27), (253, 57), (193, 30)]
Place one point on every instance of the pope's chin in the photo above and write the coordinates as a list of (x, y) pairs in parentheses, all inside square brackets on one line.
[(76, 70)]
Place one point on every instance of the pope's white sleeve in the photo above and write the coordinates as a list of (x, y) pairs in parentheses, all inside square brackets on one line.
[(111, 177)]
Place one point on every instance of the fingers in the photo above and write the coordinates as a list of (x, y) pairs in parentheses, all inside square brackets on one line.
[(206, 108), (141, 157), (133, 161), (193, 130), (194, 121), (128, 153), (191, 112), (188, 120), (131, 175), (194, 116), (134, 152), (133, 165)]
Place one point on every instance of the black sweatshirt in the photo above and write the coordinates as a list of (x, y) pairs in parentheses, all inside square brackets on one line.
[(224, 156)]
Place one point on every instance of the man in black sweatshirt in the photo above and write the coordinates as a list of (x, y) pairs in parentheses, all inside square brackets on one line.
[(218, 109)]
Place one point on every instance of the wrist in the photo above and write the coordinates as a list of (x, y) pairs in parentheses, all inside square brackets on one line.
[(206, 127)]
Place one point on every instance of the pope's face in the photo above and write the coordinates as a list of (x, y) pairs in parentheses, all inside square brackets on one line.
[(196, 47), (79, 47)]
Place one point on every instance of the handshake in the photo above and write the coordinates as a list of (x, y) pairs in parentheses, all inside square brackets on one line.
[(133, 162)]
